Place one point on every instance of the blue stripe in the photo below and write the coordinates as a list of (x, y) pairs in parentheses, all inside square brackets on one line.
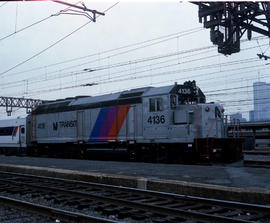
[(99, 124)]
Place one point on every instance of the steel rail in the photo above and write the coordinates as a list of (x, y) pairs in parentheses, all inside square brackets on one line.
[(53, 212)]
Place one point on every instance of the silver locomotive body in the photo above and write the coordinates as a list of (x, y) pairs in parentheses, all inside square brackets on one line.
[(161, 123)]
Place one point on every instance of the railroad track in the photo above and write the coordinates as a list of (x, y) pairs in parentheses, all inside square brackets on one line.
[(10, 214), (256, 159), (14, 210), (118, 203), (266, 166)]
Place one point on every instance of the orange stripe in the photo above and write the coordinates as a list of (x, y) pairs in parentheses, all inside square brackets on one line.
[(118, 122)]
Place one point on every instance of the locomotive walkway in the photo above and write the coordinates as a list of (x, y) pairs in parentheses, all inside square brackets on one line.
[(230, 181)]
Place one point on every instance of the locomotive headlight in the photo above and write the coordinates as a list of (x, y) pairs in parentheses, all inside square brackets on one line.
[(207, 109)]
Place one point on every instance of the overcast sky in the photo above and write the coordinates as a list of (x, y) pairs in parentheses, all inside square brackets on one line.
[(134, 45)]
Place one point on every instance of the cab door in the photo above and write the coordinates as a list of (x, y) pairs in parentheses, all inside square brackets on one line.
[(22, 136), (80, 126), (155, 118), (131, 123), (219, 123)]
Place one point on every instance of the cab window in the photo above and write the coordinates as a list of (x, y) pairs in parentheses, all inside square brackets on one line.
[(173, 101), (155, 104), (217, 112), (159, 104), (152, 105)]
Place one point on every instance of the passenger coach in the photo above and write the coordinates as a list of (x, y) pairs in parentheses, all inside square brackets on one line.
[(13, 136)]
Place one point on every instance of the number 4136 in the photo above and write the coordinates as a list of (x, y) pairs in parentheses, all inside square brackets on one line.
[(156, 119)]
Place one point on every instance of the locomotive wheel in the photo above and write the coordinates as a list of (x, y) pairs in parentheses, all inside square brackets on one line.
[(82, 153), (132, 153), (162, 154)]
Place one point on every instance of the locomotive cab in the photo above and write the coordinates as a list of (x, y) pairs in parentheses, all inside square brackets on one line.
[(169, 113)]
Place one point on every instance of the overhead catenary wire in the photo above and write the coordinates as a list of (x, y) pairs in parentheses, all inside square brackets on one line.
[(150, 69), (197, 75), (117, 54), (146, 65), (29, 26), (104, 52), (42, 51), (3, 4), (126, 63), (26, 27), (52, 45), (110, 80), (108, 51), (117, 65), (255, 102), (114, 78), (209, 65)]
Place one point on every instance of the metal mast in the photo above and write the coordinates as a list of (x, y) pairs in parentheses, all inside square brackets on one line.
[(228, 21), (11, 102)]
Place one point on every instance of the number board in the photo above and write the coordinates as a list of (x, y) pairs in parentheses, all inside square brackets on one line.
[(156, 119), (184, 91)]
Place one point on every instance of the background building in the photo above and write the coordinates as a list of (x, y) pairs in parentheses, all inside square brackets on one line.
[(251, 116), (261, 101), (237, 116)]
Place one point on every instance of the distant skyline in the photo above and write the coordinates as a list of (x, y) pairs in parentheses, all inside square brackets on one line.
[(261, 100), (136, 44)]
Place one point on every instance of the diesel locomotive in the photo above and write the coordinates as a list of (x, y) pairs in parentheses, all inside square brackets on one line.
[(158, 124)]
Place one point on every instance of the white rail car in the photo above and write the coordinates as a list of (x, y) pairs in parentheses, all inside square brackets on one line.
[(13, 136)]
